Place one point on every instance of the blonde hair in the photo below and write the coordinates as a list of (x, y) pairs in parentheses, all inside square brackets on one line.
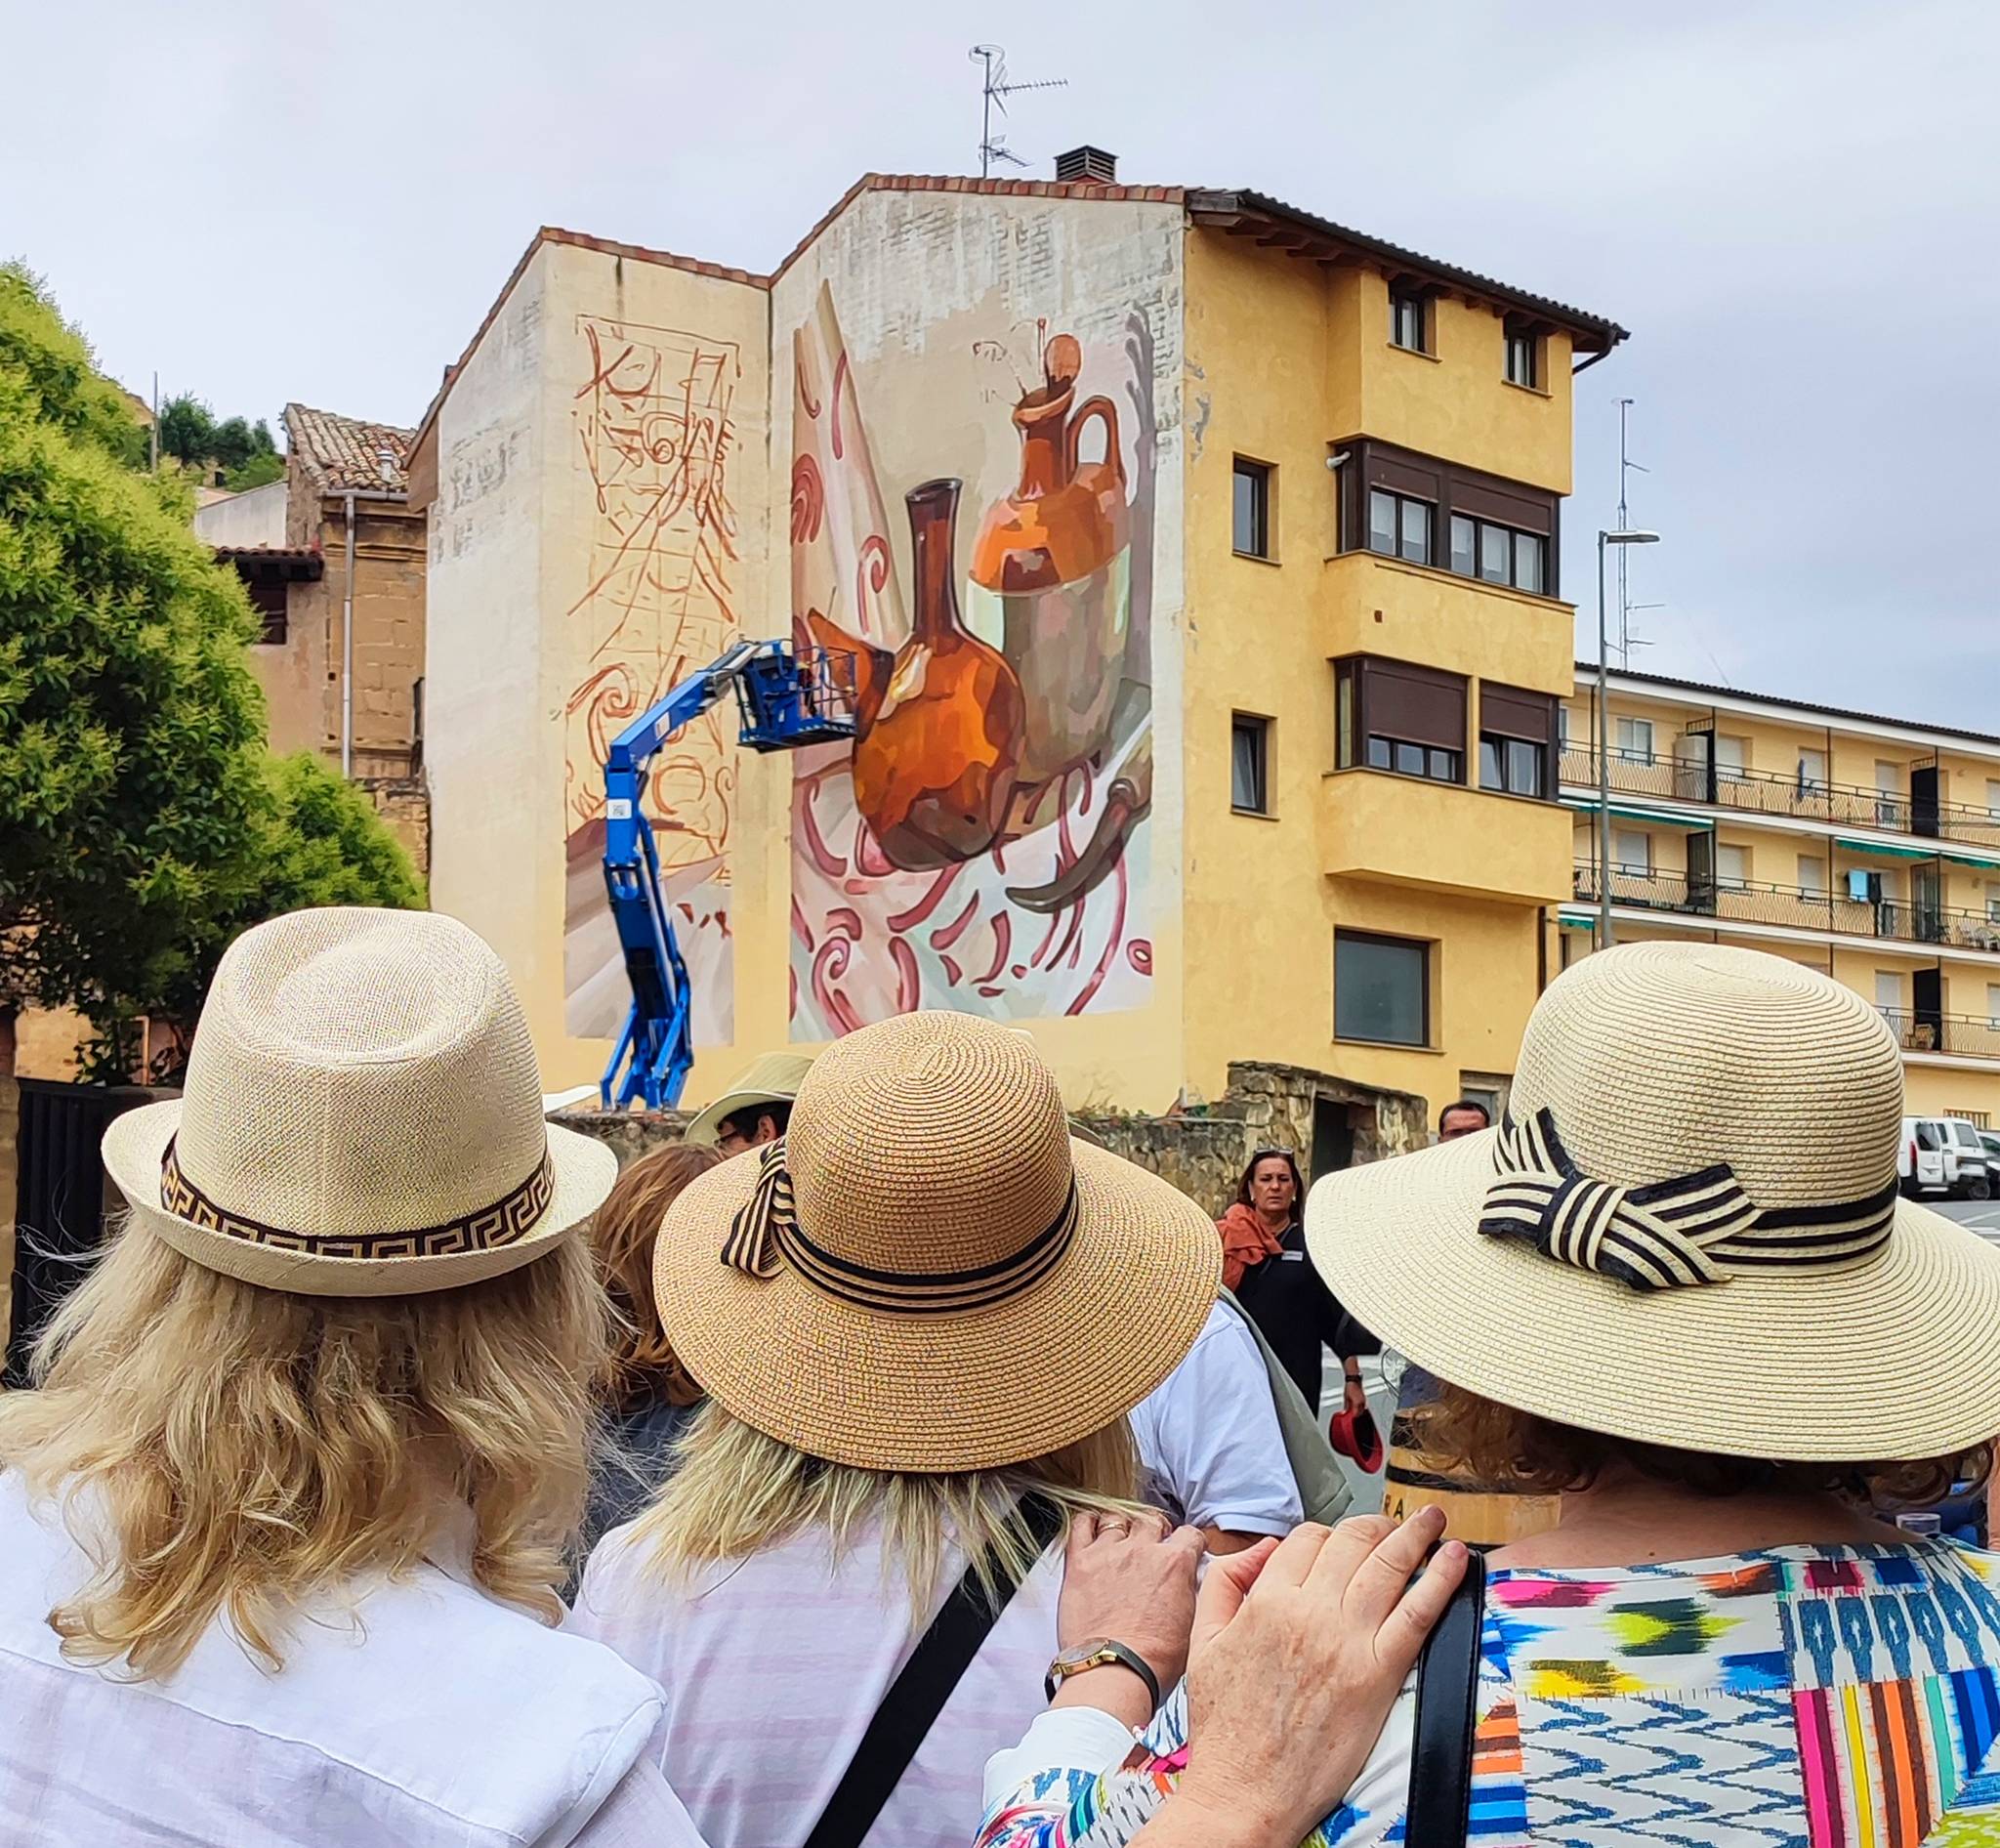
[(736, 1492), (234, 1450), (641, 1361)]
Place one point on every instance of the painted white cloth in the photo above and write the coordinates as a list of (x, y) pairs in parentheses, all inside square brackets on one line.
[(1209, 1441), (440, 1718), (773, 1666)]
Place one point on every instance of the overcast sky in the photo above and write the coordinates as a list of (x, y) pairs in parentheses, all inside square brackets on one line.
[(1793, 207)]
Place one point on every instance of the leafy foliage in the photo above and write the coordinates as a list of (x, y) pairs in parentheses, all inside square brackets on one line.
[(143, 821), (245, 453)]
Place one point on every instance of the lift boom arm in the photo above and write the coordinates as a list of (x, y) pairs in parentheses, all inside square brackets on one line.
[(786, 698)]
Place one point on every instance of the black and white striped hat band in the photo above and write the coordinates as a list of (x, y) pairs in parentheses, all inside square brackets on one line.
[(1696, 1227)]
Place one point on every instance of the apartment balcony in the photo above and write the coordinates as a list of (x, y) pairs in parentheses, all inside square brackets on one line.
[(1963, 1036), (1796, 909), (1441, 836), (1372, 605), (1764, 793)]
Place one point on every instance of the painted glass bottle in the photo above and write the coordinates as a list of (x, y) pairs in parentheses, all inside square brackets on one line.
[(939, 726), (1056, 558)]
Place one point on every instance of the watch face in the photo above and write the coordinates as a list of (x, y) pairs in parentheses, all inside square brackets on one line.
[(1083, 1654)]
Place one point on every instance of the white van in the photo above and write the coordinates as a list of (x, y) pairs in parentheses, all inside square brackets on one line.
[(1944, 1154)]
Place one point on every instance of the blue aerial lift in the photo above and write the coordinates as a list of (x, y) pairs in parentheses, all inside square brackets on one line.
[(786, 698)]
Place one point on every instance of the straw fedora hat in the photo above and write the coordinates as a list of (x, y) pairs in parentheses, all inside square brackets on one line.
[(928, 1273), (773, 1079), (1686, 1230), (363, 1117)]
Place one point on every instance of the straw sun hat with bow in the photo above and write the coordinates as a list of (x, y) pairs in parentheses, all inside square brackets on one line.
[(1686, 1230), (363, 1117), (929, 1273)]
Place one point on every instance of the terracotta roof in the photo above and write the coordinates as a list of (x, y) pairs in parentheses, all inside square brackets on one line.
[(1595, 333), (339, 453), (1587, 672), (274, 560), (1254, 210)]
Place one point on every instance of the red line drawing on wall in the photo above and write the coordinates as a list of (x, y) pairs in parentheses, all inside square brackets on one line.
[(653, 422)]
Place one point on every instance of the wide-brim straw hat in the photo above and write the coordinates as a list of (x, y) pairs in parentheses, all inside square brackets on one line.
[(929, 1274), (774, 1078), (363, 1117), (1686, 1230)]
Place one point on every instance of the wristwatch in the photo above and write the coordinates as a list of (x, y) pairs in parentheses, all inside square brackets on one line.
[(1100, 1653)]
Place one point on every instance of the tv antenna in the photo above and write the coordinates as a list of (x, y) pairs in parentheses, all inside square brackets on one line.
[(996, 89)]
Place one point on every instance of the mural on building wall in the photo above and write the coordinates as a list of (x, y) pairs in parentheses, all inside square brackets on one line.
[(651, 423), (982, 845)]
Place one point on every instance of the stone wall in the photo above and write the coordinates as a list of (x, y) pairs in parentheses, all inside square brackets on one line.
[(404, 803), (1204, 1156)]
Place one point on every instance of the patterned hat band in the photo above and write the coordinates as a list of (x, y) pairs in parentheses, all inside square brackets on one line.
[(765, 1236), (1698, 1228), (511, 1217)]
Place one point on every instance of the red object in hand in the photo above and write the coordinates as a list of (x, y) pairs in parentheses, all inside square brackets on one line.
[(1355, 1436)]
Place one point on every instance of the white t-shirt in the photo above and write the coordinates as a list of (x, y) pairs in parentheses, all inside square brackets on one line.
[(441, 1719), (1209, 1440), (773, 1665)]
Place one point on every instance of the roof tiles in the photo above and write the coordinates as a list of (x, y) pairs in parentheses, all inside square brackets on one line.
[(342, 453)]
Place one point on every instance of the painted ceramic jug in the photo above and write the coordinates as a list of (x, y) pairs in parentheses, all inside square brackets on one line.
[(937, 724), (1051, 571)]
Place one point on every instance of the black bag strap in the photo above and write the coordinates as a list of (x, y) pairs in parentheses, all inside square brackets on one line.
[(1441, 1743), (918, 1695)]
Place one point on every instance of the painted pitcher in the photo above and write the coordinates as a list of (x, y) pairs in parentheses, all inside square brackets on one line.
[(1052, 570)]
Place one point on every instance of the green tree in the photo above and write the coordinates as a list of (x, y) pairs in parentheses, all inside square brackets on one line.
[(143, 821), (188, 430)]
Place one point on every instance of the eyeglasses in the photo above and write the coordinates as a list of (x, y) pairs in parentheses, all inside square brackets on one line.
[(1274, 1148)]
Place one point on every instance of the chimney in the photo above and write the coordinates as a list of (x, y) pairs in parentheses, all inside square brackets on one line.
[(1087, 167)]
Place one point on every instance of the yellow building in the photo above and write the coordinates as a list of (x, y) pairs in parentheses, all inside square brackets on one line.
[(1867, 847), (1200, 563)]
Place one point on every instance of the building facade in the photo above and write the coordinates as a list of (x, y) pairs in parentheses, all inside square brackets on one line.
[(1866, 846), (1199, 565)]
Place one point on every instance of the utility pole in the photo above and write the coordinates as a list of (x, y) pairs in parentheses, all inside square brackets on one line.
[(994, 90), (1625, 467), (155, 432)]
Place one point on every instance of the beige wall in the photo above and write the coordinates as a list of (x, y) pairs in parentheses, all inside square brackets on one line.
[(256, 516), (571, 579)]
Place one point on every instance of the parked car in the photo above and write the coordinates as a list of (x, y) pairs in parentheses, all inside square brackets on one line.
[(1991, 1141), (1944, 1154)]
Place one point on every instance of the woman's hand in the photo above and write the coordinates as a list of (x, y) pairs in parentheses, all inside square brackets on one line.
[(1299, 1651), (1127, 1580)]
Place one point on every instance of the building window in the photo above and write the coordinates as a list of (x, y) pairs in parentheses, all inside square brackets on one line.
[(1510, 765), (1813, 875), (268, 598), (1525, 359), (1812, 771), (1482, 548), (1381, 988), (1631, 852), (1249, 764), (1993, 1004), (1252, 536), (1516, 730), (1457, 505), (1399, 526), (1889, 990), (1563, 727), (1400, 717), (1732, 867), (1632, 739), (1889, 794), (1409, 319), (1993, 796)]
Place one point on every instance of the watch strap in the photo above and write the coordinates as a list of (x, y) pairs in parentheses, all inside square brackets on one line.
[(1101, 1656)]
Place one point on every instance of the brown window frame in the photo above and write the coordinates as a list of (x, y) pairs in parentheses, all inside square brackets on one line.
[(1417, 297), (1264, 475), (1451, 491), (1519, 715), (1366, 696), (1245, 723), (1386, 940), (1529, 337)]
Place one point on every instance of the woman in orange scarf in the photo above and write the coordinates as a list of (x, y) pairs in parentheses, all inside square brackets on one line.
[(1263, 1264)]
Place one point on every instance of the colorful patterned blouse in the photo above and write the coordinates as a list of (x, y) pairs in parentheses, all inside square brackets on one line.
[(1823, 1697)]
